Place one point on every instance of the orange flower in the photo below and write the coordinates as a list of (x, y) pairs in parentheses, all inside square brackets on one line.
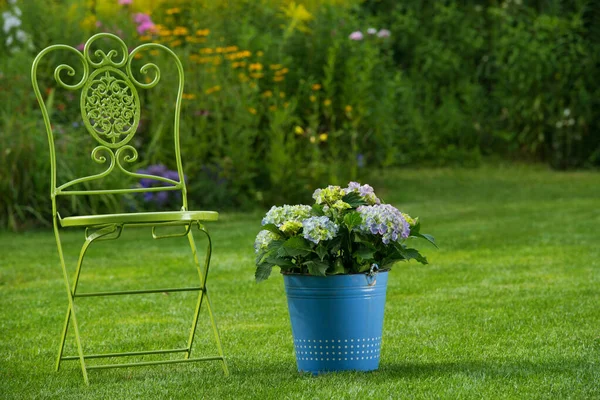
[(316, 87)]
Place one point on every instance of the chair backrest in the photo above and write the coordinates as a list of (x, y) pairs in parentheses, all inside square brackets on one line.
[(110, 112)]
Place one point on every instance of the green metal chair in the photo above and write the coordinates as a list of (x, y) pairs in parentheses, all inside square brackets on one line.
[(110, 110)]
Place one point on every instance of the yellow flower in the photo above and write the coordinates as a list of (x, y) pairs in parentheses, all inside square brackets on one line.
[(252, 110), (239, 64), (348, 109), (230, 49), (154, 52), (174, 10), (282, 72), (138, 56), (202, 32), (275, 66), (180, 31), (278, 79), (273, 108), (220, 49), (323, 137), (88, 22), (145, 38), (259, 53), (298, 130), (243, 77), (313, 139), (267, 94), (327, 102), (212, 89), (282, 95), (316, 86), (206, 51), (255, 67), (313, 98), (176, 43), (188, 96), (256, 75)]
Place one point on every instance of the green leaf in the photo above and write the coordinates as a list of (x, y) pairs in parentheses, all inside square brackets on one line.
[(321, 251), (414, 254), (318, 210), (427, 237), (296, 246), (364, 254), (354, 199), (280, 262), (317, 268), (273, 228), (337, 268), (262, 272), (352, 219)]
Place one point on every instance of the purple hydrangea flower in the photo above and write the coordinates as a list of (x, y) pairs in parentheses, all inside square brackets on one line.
[(384, 220), (366, 191)]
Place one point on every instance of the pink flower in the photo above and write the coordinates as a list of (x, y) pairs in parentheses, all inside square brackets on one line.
[(80, 46), (356, 35), (141, 17), (145, 26), (384, 33), (125, 2)]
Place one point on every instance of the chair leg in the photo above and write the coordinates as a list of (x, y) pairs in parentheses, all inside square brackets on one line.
[(101, 233), (203, 276), (63, 339), (70, 312)]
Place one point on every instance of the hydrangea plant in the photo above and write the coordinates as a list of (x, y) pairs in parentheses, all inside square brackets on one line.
[(347, 231)]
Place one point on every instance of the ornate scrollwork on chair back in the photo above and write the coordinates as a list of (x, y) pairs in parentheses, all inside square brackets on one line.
[(110, 105)]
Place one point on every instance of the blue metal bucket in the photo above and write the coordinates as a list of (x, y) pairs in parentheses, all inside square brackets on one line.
[(337, 320)]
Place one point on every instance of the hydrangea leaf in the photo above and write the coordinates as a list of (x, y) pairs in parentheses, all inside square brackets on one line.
[(262, 272), (352, 220), (273, 228), (321, 251), (296, 246), (337, 268), (317, 268), (354, 199)]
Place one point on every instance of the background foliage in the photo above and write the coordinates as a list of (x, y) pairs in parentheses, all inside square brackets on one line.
[(279, 100)]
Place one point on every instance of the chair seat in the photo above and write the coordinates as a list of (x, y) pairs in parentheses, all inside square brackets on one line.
[(145, 217)]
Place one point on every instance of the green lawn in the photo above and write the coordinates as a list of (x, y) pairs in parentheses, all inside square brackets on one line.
[(509, 307)]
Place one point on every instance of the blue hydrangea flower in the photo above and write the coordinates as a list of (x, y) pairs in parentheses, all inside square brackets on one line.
[(317, 229), (263, 239), (384, 220), (281, 215)]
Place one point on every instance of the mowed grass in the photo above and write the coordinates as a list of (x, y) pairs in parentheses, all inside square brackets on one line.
[(509, 306)]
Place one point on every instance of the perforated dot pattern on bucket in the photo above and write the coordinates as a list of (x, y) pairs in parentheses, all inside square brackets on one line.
[(337, 350)]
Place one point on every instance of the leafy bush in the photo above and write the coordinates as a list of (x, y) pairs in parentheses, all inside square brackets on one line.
[(296, 95)]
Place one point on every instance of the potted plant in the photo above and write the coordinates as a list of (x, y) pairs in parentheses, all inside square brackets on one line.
[(335, 256)]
